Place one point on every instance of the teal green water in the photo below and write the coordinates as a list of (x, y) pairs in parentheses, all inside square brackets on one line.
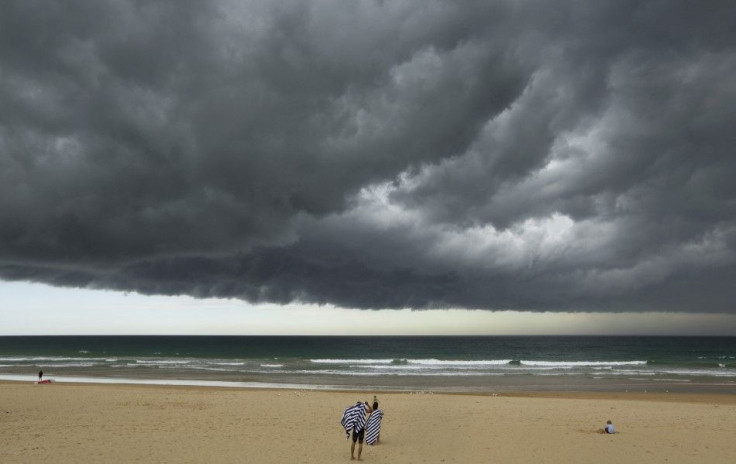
[(455, 363)]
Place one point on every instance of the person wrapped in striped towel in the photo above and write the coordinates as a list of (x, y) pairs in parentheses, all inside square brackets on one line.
[(373, 426), (353, 420)]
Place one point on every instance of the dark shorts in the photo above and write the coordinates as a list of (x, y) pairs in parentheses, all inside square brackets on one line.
[(358, 436)]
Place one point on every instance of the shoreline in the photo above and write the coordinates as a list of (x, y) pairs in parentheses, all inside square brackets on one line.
[(528, 385), (695, 395)]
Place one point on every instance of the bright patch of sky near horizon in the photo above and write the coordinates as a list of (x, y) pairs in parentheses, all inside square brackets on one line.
[(36, 309)]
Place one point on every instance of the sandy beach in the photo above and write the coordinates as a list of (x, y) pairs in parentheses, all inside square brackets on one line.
[(122, 423)]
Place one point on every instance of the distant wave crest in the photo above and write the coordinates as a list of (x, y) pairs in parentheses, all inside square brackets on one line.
[(420, 362), (351, 361)]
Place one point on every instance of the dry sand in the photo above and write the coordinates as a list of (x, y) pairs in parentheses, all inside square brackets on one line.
[(119, 423)]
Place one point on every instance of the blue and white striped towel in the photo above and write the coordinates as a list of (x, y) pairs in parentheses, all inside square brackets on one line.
[(353, 418), (373, 428)]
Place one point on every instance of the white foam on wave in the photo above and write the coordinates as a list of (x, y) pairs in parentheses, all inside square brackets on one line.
[(397, 373), (570, 364), (630, 372), (443, 363), (351, 361), (47, 358), (201, 368), (423, 362), (703, 372), (81, 364), (407, 367), (163, 361), (451, 369)]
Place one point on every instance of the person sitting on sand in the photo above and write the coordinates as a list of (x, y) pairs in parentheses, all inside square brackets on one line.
[(609, 428), (353, 420)]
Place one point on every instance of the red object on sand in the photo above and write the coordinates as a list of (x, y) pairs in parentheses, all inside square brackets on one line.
[(44, 381)]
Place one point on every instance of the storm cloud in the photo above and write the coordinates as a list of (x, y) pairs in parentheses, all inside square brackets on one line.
[(572, 156)]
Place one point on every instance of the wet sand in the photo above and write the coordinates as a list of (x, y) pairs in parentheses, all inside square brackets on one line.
[(129, 423)]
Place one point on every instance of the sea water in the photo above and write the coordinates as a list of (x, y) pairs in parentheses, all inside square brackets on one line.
[(451, 363)]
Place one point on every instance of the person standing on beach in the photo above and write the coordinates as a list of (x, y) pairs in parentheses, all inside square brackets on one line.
[(353, 420), (40, 375), (373, 426)]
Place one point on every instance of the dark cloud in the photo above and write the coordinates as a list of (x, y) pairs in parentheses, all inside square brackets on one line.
[(491, 155)]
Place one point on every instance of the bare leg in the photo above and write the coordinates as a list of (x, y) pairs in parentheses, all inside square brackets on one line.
[(360, 450), (352, 451)]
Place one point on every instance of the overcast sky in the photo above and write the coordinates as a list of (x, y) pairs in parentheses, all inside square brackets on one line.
[(538, 157)]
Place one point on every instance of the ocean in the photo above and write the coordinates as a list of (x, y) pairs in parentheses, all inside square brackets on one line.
[(450, 364)]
